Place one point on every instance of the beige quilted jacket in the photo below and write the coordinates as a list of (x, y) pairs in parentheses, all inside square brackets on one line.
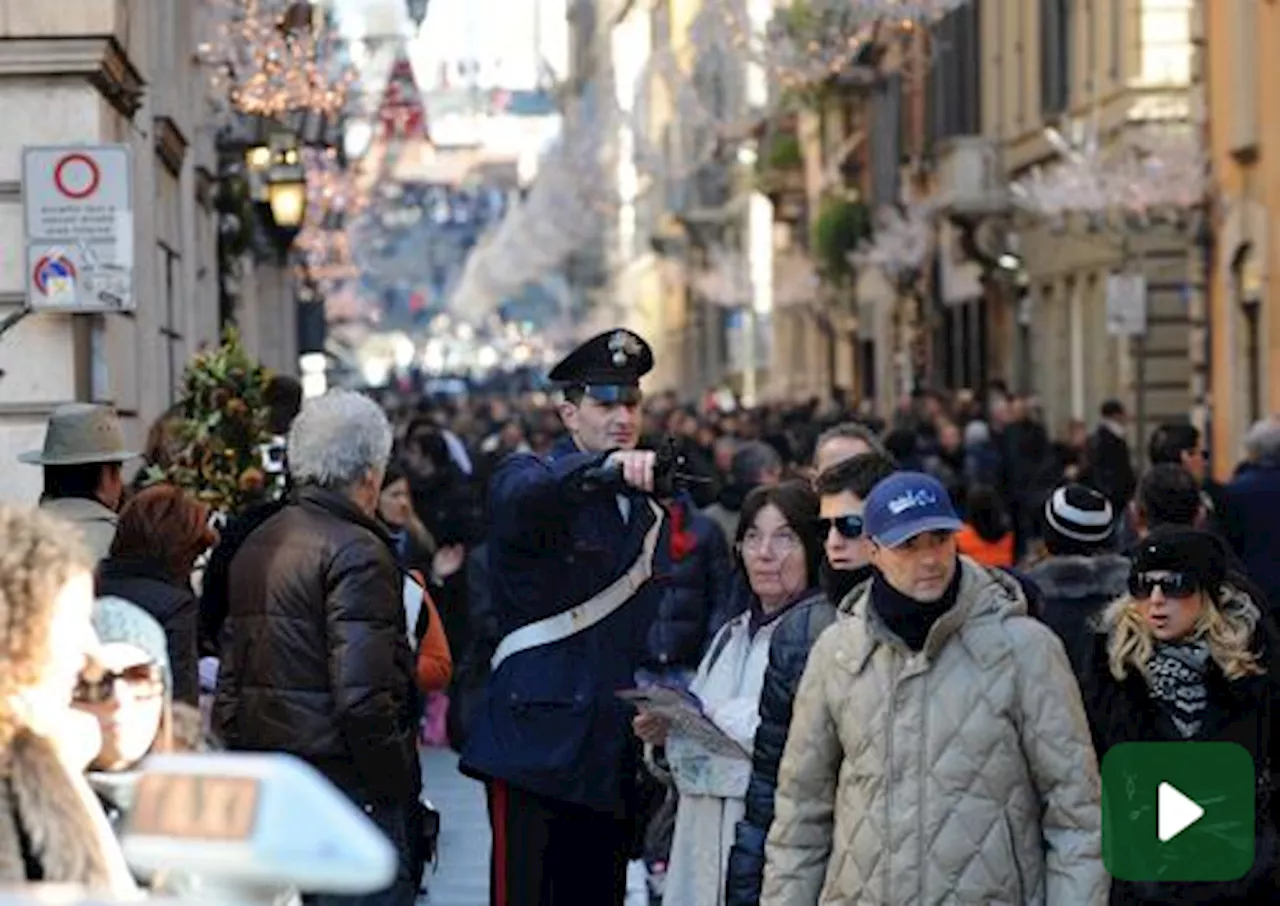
[(960, 774)]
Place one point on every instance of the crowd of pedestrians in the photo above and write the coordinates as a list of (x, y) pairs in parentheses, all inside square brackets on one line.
[(914, 638)]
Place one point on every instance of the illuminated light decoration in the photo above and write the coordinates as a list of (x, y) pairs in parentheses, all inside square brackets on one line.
[(1150, 172), (273, 57), (402, 115), (336, 201), (902, 239), (809, 41)]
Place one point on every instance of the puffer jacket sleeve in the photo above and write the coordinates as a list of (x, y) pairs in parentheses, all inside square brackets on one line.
[(788, 654), (371, 668), (800, 837), (1055, 737)]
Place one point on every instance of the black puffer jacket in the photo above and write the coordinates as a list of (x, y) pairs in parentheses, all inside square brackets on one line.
[(1074, 591), (693, 569), (788, 654), (317, 660)]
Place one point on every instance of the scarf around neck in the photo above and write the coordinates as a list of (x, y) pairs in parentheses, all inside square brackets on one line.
[(1176, 673)]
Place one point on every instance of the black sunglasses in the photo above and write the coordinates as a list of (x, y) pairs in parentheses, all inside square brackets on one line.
[(849, 526), (1171, 585), (146, 678)]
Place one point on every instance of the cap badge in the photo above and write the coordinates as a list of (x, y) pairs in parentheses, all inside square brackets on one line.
[(623, 345), (911, 500)]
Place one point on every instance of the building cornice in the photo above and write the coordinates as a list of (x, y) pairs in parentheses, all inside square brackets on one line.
[(171, 144), (100, 59)]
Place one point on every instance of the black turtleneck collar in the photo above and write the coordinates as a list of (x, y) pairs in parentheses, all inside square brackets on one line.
[(837, 583), (907, 618)]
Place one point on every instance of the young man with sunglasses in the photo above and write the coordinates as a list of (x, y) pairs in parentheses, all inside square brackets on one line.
[(842, 490)]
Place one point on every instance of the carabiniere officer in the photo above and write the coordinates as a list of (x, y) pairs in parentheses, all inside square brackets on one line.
[(569, 573)]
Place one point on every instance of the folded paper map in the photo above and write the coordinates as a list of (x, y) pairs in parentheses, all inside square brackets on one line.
[(685, 713)]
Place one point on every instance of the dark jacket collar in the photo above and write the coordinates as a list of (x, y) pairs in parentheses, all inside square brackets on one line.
[(137, 568), (340, 506), (564, 446)]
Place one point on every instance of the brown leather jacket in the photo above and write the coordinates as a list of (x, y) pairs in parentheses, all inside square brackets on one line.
[(317, 661)]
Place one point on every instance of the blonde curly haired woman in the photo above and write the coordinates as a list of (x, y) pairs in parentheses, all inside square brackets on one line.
[(1187, 656), (51, 825)]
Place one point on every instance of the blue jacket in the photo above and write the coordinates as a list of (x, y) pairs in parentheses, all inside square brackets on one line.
[(548, 720), (697, 590)]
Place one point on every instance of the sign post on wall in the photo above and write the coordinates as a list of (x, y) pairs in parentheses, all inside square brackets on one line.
[(78, 206)]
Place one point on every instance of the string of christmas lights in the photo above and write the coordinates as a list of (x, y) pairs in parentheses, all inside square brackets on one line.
[(1149, 173), (272, 57), (336, 201), (902, 239)]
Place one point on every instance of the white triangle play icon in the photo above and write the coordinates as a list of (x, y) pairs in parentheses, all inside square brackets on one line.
[(1175, 812)]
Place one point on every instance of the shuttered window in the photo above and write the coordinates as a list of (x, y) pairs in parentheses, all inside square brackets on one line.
[(1055, 56)]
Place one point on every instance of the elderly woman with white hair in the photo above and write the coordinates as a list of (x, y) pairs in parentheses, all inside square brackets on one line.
[(317, 660)]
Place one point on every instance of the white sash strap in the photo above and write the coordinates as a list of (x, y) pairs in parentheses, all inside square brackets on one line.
[(590, 612)]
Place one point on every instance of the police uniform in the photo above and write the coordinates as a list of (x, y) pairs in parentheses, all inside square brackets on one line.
[(569, 582)]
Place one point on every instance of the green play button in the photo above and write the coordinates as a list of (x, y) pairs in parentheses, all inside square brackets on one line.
[(1178, 811)]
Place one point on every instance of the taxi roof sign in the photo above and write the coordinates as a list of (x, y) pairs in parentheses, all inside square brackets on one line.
[(260, 819)]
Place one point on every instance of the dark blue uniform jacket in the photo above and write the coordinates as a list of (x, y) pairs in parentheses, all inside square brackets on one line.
[(549, 721)]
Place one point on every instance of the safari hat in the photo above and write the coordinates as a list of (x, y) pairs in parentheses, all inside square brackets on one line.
[(79, 434)]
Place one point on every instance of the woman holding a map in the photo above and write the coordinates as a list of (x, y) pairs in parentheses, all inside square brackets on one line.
[(709, 731)]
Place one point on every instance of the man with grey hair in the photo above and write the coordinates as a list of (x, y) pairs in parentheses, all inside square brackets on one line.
[(844, 441), (317, 660), (754, 464), (1252, 499)]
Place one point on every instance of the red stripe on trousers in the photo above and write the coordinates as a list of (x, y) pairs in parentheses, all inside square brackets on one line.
[(500, 805)]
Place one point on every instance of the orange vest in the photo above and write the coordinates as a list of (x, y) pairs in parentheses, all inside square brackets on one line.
[(988, 553)]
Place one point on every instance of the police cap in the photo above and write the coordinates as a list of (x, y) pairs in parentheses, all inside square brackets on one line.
[(608, 366)]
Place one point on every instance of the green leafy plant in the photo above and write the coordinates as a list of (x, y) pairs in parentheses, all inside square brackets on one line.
[(841, 225), (783, 153), (217, 442)]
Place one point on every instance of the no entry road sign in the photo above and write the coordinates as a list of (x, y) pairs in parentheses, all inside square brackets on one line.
[(78, 206)]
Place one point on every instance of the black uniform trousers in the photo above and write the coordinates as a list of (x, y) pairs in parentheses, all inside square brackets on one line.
[(552, 853)]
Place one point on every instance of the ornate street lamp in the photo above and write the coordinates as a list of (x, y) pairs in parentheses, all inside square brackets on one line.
[(278, 185)]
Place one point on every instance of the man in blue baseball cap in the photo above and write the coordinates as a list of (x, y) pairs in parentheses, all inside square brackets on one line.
[(942, 687), (911, 525)]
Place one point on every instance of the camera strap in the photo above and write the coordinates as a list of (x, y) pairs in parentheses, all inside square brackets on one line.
[(594, 610)]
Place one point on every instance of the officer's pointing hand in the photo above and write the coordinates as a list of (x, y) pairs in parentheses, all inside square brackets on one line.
[(637, 467)]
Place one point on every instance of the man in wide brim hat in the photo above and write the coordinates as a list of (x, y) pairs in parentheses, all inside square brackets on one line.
[(83, 457)]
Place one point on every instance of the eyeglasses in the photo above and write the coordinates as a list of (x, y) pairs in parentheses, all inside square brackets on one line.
[(143, 680), (754, 544), (1171, 585), (849, 526)]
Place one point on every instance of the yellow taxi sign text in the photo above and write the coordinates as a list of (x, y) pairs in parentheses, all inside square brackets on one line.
[(195, 806)]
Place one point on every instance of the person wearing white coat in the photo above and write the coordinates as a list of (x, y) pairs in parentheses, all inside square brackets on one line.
[(779, 551)]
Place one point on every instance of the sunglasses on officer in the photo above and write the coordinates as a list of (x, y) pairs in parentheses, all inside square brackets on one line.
[(849, 526), (1171, 584)]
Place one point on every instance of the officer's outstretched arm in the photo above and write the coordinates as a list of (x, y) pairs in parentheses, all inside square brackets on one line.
[(527, 492)]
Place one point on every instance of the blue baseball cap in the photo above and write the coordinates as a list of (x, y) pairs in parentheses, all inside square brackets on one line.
[(907, 504)]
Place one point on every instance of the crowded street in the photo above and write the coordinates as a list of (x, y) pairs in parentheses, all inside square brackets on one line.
[(619, 453)]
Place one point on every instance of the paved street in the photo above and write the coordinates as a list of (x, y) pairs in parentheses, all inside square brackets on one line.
[(463, 876)]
